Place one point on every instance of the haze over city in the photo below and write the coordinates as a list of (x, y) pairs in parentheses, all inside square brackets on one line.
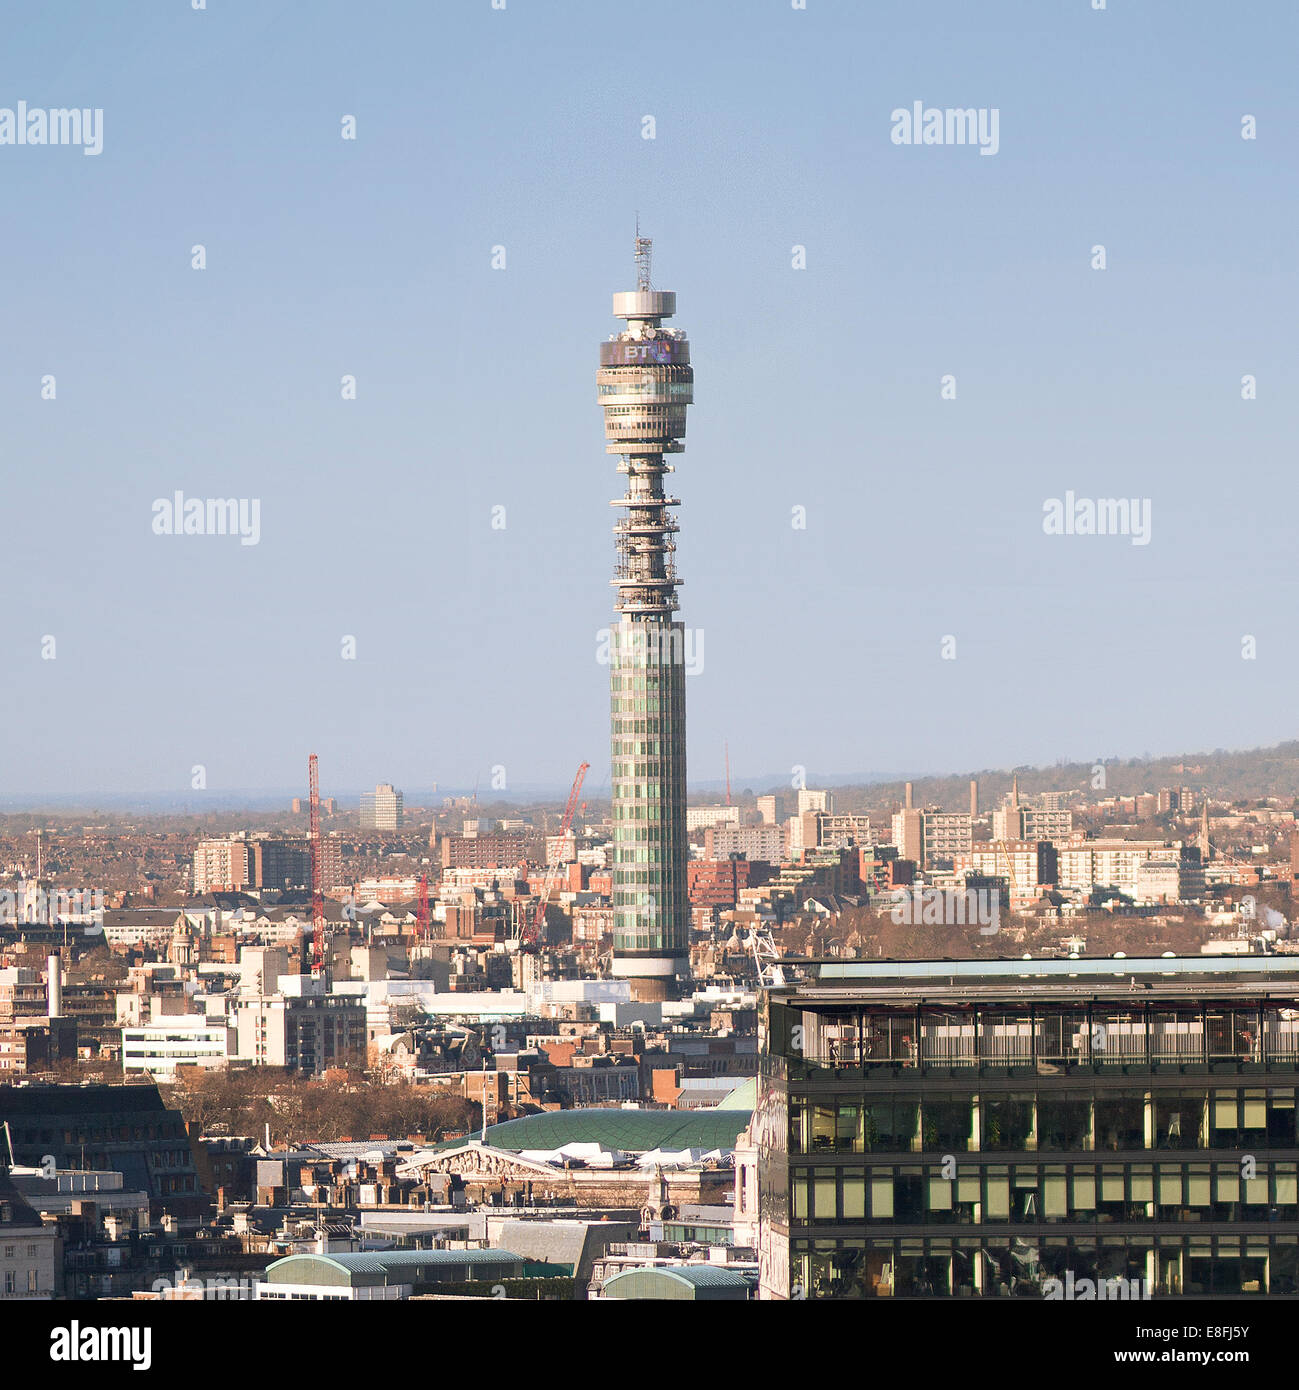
[(819, 388)]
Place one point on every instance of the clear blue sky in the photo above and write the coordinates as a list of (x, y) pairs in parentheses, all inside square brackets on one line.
[(476, 387)]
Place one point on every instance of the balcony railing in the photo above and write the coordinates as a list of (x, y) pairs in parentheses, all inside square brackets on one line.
[(1234, 1038)]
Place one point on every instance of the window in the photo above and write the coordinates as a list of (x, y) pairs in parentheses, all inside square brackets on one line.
[(1064, 1122), (1120, 1120)]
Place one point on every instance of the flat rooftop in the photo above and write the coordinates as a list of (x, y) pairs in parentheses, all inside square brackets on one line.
[(1094, 977)]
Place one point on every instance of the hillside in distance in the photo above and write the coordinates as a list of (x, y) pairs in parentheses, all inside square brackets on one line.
[(1225, 775)]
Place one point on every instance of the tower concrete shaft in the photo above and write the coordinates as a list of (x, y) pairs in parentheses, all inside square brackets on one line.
[(645, 384)]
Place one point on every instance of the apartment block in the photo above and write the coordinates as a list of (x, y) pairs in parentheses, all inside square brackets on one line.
[(383, 808), (1088, 865), (756, 843), (1028, 866), (932, 838), (302, 1027)]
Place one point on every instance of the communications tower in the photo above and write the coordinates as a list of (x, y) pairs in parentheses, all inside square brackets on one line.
[(645, 384)]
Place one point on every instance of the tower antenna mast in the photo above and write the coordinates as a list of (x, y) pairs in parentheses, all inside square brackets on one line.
[(644, 250)]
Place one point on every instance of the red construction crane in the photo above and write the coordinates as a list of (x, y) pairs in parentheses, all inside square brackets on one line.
[(421, 913), (533, 933), (317, 897)]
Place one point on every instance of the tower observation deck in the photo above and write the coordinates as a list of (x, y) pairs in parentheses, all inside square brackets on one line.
[(645, 384)]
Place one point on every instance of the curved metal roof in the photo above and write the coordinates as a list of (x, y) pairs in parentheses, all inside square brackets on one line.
[(647, 1281)]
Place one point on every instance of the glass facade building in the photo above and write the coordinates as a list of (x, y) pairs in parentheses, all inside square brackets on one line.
[(1032, 1129), (645, 384)]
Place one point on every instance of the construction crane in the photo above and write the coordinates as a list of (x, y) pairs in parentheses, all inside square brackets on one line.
[(532, 933), (421, 913), (1002, 850), (317, 896)]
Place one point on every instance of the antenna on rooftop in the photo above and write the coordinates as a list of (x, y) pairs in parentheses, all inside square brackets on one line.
[(644, 249)]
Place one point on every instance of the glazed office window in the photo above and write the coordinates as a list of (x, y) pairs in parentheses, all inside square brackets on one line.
[(819, 1130), (1063, 1122), (1055, 1195), (890, 1126), (947, 1123), (1026, 1195), (1181, 1119), (1285, 1185), (882, 1194), (1284, 1265), (996, 1184), (1007, 1123), (909, 1196), (939, 1198), (1254, 1193), (850, 1129), (1280, 1117), (1120, 1120), (1254, 1115), (854, 1194), (824, 1192)]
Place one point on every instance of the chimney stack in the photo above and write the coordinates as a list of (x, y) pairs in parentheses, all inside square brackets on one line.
[(908, 800), (974, 799), (54, 988)]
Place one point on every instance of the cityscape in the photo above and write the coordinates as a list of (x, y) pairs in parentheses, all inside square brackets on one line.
[(432, 979)]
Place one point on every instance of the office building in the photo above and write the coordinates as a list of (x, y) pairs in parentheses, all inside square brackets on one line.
[(1012, 1128), (124, 1129), (169, 1041)]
